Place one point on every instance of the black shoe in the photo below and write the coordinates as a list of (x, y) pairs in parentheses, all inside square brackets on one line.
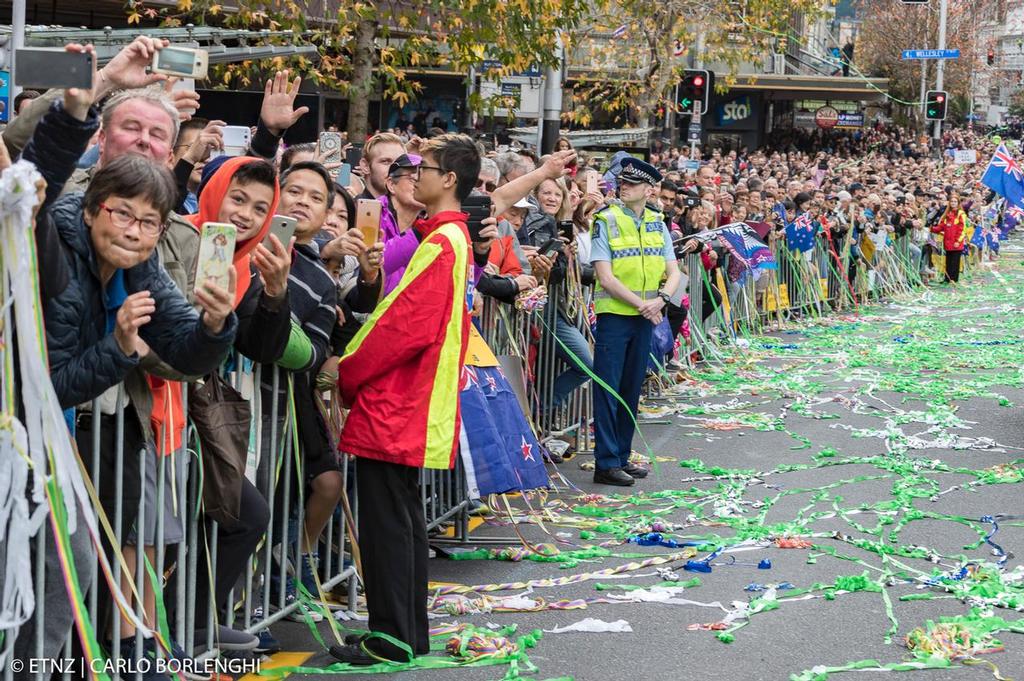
[(352, 654), (553, 457), (613, 476), (635, 471), (354, 639)]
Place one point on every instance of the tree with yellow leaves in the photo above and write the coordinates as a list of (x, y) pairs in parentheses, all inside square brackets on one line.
[(637, 49), (365, 46)]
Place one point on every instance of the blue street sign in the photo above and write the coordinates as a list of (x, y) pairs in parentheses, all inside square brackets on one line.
[(931, 54)]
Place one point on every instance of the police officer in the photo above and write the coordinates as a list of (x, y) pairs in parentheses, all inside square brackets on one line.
[(637, 274)]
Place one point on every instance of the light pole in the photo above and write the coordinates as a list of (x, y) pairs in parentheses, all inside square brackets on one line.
[(943, 9), (17, 42)]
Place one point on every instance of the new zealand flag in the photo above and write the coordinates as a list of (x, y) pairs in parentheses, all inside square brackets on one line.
[(498, 447)]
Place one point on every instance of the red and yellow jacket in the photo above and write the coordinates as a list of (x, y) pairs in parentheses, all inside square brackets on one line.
[(402, 372), (954, 230)]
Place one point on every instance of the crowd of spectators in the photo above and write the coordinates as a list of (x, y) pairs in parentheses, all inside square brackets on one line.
[(130, 327)]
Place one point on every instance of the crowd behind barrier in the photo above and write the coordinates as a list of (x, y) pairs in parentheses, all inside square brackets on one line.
[(198, 582)]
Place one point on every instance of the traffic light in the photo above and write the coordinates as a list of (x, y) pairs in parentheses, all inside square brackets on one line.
[(935, 105), (695, 90), (991, 57)]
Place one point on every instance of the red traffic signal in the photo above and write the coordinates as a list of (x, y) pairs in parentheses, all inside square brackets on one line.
[(935, 105), (695, 90)]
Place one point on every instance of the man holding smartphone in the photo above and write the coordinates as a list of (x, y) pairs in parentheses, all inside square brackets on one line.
[(401, 376), (632, 255)]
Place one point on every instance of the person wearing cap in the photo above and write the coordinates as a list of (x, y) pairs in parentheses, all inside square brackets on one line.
[(636, 276), (400, 210)]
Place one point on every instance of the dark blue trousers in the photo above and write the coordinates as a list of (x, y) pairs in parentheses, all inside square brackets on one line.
[(622, 344)]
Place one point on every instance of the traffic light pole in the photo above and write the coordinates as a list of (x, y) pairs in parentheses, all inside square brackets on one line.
[(552, 104), (943, 9), (698, 63)]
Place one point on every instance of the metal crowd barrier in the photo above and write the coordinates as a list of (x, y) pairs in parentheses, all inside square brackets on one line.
[(252, 604), (827, 279), (812, 284), (530, 353)]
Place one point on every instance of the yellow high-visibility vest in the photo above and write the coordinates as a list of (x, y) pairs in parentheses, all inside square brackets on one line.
[(638, 256)]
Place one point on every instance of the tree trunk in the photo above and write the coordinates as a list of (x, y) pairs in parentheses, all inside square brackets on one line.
[(362, 81)]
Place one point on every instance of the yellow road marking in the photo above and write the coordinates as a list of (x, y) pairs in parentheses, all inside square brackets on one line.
[(474, 523), (277, 661)]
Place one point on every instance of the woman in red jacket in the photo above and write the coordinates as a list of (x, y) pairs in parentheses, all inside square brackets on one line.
[(953, 228)]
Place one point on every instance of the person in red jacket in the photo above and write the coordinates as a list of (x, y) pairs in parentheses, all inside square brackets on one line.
[(953, 228), (401, 376)]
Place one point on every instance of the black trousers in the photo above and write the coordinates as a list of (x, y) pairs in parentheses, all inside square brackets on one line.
[(235, 546), (953, 265), (393, 542)]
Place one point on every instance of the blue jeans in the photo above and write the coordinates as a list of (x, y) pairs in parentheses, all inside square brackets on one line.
[(622, 344), (574, 376)]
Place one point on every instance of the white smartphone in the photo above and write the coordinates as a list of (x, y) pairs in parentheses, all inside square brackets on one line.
[(216, 254), (283, 227), (236, 141), (186, 62)]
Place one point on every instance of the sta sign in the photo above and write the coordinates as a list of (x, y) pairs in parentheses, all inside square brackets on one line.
[(734, 111)]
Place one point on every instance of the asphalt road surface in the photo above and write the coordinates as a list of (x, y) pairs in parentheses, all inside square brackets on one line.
[(876, 436)]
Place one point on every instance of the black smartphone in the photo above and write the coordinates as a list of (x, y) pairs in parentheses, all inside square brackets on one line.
[(691, 201), (353, 154), (567, 230), (900, 200), (53, 67), (552, 248), (478, 206)]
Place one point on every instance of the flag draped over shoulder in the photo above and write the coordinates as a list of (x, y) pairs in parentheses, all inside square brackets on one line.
[(499, 449)]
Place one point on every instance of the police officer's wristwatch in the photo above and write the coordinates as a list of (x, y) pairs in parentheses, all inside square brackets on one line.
[(664, 296)]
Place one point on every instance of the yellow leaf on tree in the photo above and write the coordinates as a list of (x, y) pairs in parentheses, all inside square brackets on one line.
[(185, 5)]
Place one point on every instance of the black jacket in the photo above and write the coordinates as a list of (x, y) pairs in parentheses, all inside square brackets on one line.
[(54, 148), (85, 359)]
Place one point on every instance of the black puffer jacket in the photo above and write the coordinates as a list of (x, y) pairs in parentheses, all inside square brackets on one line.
[(85, 359)]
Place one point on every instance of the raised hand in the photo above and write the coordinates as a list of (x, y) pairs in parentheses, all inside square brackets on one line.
[(78, 100), (278, 112), (128, 68), (185, 101), (557, 164), (210, 138)]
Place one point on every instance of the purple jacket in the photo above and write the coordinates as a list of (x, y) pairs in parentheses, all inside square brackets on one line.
[(399, 247)]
